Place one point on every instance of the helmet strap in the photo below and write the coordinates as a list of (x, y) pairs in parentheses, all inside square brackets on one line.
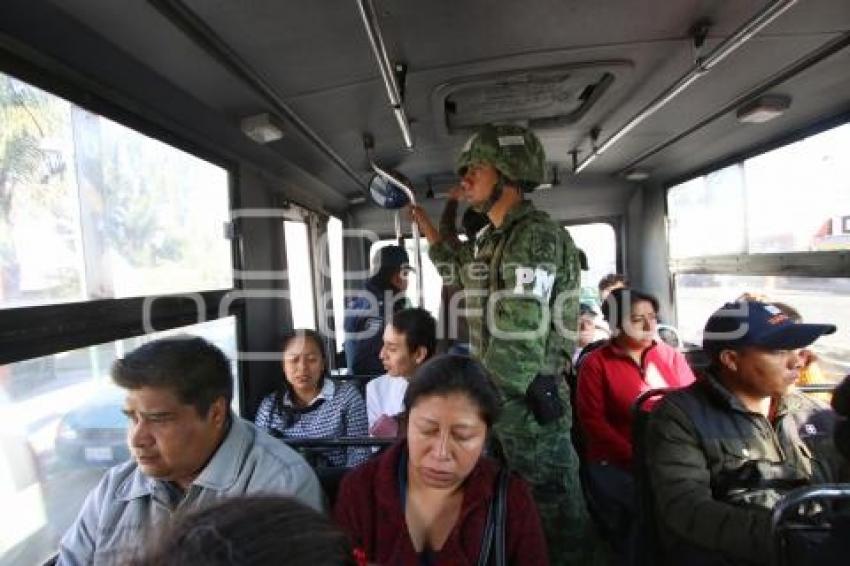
[(498, 189)]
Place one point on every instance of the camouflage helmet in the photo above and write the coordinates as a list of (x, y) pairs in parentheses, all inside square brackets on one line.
[(513, 150)]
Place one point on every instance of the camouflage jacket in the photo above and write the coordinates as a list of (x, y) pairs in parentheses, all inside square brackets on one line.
[(716, 469), (521, 298)]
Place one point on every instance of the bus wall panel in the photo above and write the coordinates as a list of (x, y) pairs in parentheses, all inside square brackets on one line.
[(266, 313)]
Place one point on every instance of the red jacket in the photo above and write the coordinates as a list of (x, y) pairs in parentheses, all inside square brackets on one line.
[(369, 509), (609, 381)]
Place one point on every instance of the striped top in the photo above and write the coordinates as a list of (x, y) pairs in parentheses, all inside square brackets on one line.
[(338, 410)]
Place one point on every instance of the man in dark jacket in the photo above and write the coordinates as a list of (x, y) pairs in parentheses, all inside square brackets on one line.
[(366, 312), (721, 452)]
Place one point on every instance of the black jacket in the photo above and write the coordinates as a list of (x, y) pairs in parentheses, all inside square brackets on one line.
[(716, 469), (365, 318)]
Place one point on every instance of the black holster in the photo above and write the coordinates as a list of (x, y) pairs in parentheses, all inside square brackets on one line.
[(543, 399)]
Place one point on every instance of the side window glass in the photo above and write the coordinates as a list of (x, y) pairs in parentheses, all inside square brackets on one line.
[(337, 277), (79, 222), (299, 274), (61, 428), (598, 241), (817, 299)]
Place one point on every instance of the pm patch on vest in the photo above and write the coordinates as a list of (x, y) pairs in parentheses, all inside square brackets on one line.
[(536, 281)]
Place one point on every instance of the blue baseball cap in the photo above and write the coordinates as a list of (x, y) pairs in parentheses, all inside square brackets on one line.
[(752, 323)]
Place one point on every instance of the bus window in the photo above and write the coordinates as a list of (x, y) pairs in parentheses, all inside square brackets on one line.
[(785, 217), (816, 299), (599, 243), (337, 277), (699, 206), (799, 195), (299, 271), (92, 210), (793, 199), (61, 416)]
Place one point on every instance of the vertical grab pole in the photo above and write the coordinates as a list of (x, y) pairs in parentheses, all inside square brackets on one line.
[(417, 263)]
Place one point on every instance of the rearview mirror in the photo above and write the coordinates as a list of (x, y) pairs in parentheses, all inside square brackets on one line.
[(386, 193)]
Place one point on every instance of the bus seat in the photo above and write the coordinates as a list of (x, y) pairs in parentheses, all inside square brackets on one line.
[(697, 359), (330, 477), (811, 526), (648, 551), (571, 377), (358, 380)]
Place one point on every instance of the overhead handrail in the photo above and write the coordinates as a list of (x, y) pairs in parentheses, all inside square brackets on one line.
[(700, 69), (414, 227), (376, 40)]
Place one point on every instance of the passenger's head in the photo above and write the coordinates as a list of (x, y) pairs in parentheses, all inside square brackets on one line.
[(632, 316), (590, 327), (792, 313), (450, 405), (392, 266), (497, 157), (754, 347), (409, 339), (807, 357), (610, 282), (786, 309), (304, 364), (251, 531), (178, 398)]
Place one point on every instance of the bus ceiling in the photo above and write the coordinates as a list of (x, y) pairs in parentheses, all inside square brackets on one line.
[(612, 91)]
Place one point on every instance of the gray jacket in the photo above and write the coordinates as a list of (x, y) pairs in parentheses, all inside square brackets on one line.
[(126, 503)]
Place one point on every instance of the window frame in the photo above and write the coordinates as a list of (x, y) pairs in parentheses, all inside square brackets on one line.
[(291, 212), (819, 264), (616, 222), (42, 330)]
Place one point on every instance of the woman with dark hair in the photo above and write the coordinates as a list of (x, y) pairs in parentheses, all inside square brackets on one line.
[(310, 405), (251, 531), (610, 379), (428, 499)]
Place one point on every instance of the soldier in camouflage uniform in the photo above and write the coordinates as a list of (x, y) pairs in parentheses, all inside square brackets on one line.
[(522, 298)]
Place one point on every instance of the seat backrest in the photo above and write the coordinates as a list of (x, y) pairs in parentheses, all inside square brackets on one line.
[(358, 381), (697, 359), (313, 450), (811, 526), (649, 549), (571, 376), (330, 478)]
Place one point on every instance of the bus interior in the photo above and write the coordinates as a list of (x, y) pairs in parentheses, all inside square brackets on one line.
[(196, 166)]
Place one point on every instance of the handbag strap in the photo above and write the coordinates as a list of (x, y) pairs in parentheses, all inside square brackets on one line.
[(501, 516), (493, 541)]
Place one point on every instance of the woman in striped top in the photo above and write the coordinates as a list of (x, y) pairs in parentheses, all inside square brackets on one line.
[(310, 405)]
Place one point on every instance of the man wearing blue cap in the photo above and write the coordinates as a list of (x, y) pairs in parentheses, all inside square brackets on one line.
[(721, 452)]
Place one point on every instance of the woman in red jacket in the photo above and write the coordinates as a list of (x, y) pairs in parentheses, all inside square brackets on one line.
[(610, 379), (426, 500)]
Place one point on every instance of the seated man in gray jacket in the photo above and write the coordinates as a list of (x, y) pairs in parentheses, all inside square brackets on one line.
[(188, 448), (721, 452)]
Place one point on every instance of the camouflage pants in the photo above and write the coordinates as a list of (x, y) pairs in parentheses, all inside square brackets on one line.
[(545, 457)]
